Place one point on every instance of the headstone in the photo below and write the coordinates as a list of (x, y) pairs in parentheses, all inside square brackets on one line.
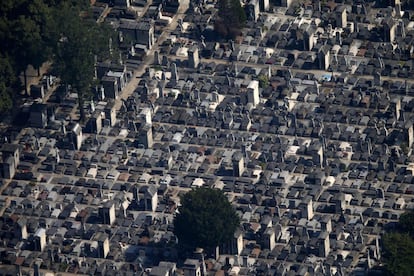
[(36, 143), (51, 114), (124, 151), (150, 72), (165, 61), (391, 165), (95, 58), (120, 37), (289, 75), (228, 81), (196, 94), (101, 93), (107, 123), (63, 128), (193, 57), (203, 41), (57, 155), (338, 38), (407, 88), (132, 126), (380, 193), (132, 50), (161, 89), (47, 82), (215, 97), (156, 58), (110, 46), (92, 106), (377, 78), (180, 24), (174, 73), (381, 166)]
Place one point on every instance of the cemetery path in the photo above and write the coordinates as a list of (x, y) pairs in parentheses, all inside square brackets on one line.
[(131, 86)]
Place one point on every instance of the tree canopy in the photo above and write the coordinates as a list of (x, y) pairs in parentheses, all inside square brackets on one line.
[(61, 31), (406, 223), (232, 18), (7, 82), (81, 41), (398, 247), (206, 219), (25, 33), (399, 253)]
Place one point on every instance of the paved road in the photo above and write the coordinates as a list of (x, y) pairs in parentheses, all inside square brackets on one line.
[(129, 89)]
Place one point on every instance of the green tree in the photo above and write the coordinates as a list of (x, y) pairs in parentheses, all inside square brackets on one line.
[(7, 73), (27, 44), (406, 223), (31, 29), (7, 83), (408, 4), (232, 18), (206, 219), (398, 247), (81, 41), (6, 102), (24, 33), (42, 50), (263, 81), (399, 253)]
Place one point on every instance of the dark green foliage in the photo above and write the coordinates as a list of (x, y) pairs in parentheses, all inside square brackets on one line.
[(398, 247), (5, 98), (25, 39), (399, 253), (263, 81), (206, 219), (7, 81), (406, 223), (35, 31), (7, 76), (25, 36), (232, 18), (81, 40), (408, 4)]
